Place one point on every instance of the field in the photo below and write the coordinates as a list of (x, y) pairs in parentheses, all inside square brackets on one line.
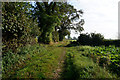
[(89, 62), (58, 61)]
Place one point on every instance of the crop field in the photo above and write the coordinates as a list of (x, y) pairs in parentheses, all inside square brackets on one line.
[(92, 62)]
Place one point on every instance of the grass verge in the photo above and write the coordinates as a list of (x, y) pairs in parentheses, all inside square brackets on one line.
[(36, 61), (79, 67)]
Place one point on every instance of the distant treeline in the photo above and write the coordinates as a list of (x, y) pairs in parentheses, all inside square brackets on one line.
[(96, 39), (111, 42)]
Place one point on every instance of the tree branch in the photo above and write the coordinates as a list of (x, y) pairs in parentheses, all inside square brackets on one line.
[(39, 6), (53, 8)]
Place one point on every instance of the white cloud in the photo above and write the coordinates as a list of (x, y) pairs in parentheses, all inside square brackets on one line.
[(100, 16)]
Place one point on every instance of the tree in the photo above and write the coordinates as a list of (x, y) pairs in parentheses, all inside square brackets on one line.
[(69, 16), (94, 39), (85, 39), (57, 16), (63, 33), (97, 39), (46, 20)]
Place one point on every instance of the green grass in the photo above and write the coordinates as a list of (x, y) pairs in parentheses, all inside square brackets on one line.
[(37, 61), (79, 66), (41, 61), (108, 57)]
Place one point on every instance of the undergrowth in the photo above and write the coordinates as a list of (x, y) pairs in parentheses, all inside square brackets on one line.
[(36, 61)]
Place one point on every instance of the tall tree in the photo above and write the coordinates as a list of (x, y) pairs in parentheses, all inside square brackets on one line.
[(47, 21), (70, 19), (57, 17)]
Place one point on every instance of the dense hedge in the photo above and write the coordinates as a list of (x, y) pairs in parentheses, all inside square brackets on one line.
[(18, 26)]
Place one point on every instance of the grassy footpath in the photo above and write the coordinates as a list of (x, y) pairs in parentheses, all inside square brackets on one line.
[(37, 61), (79, 66), (55, 61)]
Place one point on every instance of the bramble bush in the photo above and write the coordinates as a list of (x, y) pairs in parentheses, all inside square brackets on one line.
[(16, 31)]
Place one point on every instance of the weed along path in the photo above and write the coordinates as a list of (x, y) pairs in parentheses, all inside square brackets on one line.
[(43, 62)]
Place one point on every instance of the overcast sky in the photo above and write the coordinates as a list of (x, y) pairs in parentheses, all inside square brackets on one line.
[(101, 16)]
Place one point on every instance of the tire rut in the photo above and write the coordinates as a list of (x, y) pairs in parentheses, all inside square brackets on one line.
[(58, 71)]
